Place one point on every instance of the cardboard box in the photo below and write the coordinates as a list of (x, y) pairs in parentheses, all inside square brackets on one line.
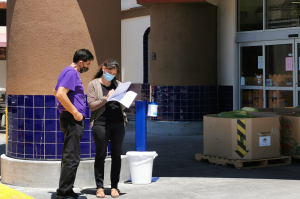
[(289, 131), (243, 138), (290, 134)]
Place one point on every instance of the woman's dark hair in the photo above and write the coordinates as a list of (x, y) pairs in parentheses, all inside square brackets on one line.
[(82, 54), (110, 64)]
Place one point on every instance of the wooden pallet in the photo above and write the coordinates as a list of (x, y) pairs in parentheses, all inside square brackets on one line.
[(295, 160), (244, 164)]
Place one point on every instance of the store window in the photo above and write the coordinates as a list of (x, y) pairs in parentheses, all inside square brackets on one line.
[(252, 66), (252, 98), (269, 73), (250, 15), (279, 99), (278, 14), (283, 13), (279, 65)]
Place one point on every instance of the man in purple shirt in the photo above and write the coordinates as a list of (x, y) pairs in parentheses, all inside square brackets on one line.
[(71, 104)]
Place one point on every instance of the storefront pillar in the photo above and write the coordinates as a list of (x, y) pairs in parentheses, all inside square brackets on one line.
[(42, 39)]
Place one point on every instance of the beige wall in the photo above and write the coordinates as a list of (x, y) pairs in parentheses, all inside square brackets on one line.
[(227, 48), (226, 42), (132, 48), (184, 37), (2, 73), (127, 4), (43, 36)]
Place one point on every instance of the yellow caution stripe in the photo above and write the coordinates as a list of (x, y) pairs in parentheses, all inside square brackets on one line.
[(241, 138), (241, 129), (9, 193), (242, 150)]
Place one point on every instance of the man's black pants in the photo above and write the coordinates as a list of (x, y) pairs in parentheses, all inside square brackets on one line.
[(114, 132), (70, 160)]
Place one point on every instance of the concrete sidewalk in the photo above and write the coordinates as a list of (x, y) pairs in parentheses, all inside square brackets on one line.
[(182, 177)]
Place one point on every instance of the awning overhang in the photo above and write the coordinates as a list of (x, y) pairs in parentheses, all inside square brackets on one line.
[(2, 39)]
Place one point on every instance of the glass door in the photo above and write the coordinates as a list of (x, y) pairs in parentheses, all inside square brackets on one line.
[(279, 74), (269, 73), (252, 75)]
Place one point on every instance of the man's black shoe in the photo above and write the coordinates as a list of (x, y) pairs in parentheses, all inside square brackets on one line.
[(72, 196)]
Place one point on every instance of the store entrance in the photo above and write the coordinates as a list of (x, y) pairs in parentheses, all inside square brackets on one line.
[(269, 74)]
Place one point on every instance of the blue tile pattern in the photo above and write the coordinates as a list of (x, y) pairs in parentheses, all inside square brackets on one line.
[(184, 103), (34, 131), (225, 98)]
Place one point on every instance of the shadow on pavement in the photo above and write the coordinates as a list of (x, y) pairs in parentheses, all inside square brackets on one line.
[(176, 158), (53, 196), (93, 192)]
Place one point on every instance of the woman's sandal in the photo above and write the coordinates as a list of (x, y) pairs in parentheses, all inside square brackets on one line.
[(100, 193), (114, 193)]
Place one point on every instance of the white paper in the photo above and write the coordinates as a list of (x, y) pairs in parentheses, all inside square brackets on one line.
[(120, 95), (125, 98), (260, 62), (122, 88), (265, 141)]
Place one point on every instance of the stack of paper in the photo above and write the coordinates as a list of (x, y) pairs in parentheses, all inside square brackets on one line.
[(120, 95)]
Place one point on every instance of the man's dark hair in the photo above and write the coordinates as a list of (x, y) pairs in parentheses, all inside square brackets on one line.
[(82, 54)]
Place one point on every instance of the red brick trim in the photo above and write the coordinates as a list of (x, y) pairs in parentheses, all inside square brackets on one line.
[(3, 5)]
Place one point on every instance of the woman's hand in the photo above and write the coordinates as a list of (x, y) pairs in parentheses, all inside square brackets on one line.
[(109, 93)]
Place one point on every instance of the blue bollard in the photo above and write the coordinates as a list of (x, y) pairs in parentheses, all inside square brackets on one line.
[(141, 129), (140, 126)]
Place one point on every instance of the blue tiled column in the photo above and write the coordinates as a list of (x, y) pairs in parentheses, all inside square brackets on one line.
[(34, 131), (225, 98)]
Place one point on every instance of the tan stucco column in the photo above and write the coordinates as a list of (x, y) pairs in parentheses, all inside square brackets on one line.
[(184, 38), (44, 35), (42, 39)]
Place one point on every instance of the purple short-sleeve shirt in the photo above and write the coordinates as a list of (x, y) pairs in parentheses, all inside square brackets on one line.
[(70, 79)]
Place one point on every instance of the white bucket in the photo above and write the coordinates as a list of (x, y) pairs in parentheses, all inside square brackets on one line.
[(141, 164), (152, 110)]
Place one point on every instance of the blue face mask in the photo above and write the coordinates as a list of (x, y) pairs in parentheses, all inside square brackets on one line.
[(108, 77)]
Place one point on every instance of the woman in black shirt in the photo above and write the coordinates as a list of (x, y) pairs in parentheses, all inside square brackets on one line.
[(107, 119)]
